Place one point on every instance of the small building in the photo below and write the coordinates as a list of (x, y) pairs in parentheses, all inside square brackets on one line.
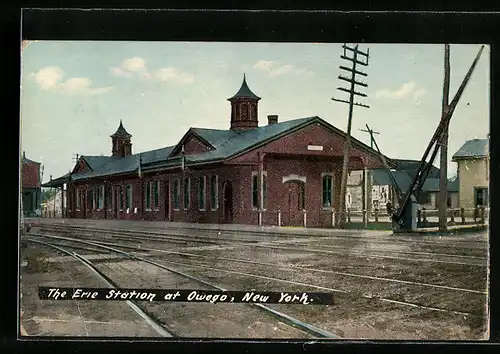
[(281, 173), (382, 189), (30, 186), (473, 162)]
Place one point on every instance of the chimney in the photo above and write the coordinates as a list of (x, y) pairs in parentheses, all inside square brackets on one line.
[(24, 154), (272, 119)]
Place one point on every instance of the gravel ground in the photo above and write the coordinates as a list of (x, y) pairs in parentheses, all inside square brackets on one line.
[(71, 318)]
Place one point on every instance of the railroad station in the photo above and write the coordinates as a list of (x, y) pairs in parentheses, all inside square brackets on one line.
[(283, 173)]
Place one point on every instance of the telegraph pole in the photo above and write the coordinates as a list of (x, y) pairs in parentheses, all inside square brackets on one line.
[(371, 132), (443, 170), (351, 90)]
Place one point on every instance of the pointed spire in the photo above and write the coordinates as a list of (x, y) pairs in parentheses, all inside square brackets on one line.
[(244, 91), (121, 132), (24, 154)]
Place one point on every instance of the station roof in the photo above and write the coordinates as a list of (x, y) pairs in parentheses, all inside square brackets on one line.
[(473, 149), (226, 144), (58, 182)]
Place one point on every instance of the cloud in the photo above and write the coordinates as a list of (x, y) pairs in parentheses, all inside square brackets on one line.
[(134, 64), (120, 72), (275, 69), (137, 67), (403, 91), (170, 74), (49, 78)]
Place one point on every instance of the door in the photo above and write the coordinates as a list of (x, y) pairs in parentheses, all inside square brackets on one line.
[(167, 201), (293, 204), (228, 203)]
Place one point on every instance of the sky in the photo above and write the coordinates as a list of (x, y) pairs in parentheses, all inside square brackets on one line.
[(74, 93)]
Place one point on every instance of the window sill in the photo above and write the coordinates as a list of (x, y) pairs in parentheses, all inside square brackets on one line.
[(214, 209), (177, 209), (202, 209)]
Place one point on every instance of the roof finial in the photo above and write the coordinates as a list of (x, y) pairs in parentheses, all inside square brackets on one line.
[(24, 154)]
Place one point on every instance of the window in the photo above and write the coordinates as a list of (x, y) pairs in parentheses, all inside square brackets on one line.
[(91, 198), (156, 194), (256, 192), (327, 191), (148, 195), (121, 196), (187, 190), (201, 192), (214, 191), (424, 198), (177, 202), (100, 197), (128, 197), (481, 196), (264, 190), (302, 196)]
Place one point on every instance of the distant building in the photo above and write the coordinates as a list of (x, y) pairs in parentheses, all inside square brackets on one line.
[(473, 172), (30, 186), (382, 189)]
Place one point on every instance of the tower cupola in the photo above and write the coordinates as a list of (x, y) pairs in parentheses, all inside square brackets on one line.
[(122, 145), (244, 108)]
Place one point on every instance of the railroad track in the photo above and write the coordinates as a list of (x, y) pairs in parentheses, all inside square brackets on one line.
[(114, 248), (189, 239), (153, 321), (215, 235)]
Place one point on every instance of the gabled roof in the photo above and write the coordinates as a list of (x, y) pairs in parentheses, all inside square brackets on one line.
[(26, 160), (227, 144), (210, 137), (244, 92), (240, 142), (473, 149)]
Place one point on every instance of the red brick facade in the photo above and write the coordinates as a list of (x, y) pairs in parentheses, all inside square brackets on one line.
[(289, 178), (285, 161), (30, 172)]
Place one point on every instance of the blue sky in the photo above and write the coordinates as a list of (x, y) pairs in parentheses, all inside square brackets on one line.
[(75, 93)]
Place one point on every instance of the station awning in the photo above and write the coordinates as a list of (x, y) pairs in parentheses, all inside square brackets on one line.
[(58, 182)]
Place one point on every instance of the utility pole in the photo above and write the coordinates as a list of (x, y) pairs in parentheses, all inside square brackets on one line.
[(371, 132), (443, 168), (351, 90)]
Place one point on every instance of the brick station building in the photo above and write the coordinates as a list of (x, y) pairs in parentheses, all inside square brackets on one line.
[(283, 173)]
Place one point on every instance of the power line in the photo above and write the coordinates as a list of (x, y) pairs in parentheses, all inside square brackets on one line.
[(353, 70)]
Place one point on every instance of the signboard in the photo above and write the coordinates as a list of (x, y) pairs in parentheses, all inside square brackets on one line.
[(315, 147)]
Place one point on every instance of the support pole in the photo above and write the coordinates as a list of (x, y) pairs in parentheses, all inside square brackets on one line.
[(351, 90), (365, 196), (261, 186), (443, 174)]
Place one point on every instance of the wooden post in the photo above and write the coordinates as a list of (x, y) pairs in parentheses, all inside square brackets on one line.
[(376, 215), (462, 214), (261, 186), (352, 92), (452, 214), (365, 195), (443, 172), (349, 215), (424, 216), (279, 218), (305, 218)]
